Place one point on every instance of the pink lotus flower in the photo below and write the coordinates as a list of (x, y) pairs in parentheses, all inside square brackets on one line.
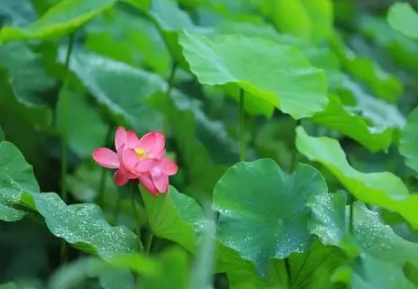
[(142, 159)]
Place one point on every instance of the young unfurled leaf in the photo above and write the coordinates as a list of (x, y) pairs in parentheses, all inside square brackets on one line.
[(174, 217), (408, 144), (277, 74), (383, 189), (402, 17), (263, 211), (61, 19)]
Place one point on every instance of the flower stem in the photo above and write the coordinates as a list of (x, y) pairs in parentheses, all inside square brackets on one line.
[(242, 125), (64, 140), (149, 242), (351, 216), (170, 85), (137, 216), (102, 185), (288, 272)]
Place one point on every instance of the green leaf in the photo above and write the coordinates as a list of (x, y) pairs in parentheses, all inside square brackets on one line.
[(61, 19), (74, 274), (174, 217), (82, 225), (259, 66), (310, 270), (336, 116), (85, 130), (16, 177), (130, 39), (403, 18), (85, 182), (403, 50), (25, 79), (408, 143), (17, 13), (383, 84), (123, 89), (173, 271), (263, 211), (383, 189), (315, 18), (380, 113), (1, 135), (380, 249)]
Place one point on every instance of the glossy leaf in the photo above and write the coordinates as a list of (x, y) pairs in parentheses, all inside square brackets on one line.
[(16, 177), (383, 189), (263, 211), (309, 270), (123, 89), (355, 126), (259, 67), (82, 225), (408, 144), (174, 216), (380, 249), (403, 18), (61, 19)]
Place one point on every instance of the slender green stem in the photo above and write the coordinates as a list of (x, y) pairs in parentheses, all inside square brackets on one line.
[(64, 140), (242, 125), (137, 216), (149, 242), (102, 185), (116, 208), (351, 216), (170, 85), (171, 77), (288, 272)]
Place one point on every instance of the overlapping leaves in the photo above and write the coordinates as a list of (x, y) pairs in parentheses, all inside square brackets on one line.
[(383, 189)]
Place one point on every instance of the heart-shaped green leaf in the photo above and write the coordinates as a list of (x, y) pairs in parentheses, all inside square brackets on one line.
[(383, 189), (263, 211), (277, 74), (174, 217), (61, 19), (403, 18), (408, 144)]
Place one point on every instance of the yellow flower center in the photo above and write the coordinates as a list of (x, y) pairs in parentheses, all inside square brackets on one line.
[(141, 153)]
